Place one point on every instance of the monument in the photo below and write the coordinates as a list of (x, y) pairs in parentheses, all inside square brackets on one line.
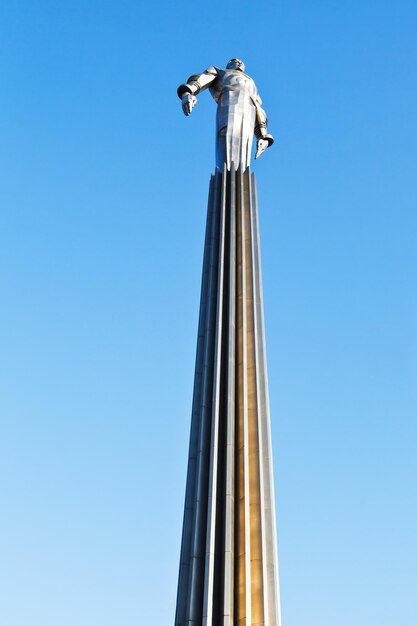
[(229, 565)]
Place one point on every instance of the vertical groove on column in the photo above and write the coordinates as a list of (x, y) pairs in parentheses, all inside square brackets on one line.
[(243, 550), (260, 406), (198, 542), (244, 395), (195, 422), (240, 575), (209, 599), (229, 482), (272, 598), (195, 433), (257, 586)]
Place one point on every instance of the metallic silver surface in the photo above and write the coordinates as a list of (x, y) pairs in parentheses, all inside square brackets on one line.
[(239, 112), (229, 565)]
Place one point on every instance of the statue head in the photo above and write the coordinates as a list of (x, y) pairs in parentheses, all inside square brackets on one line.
[(236, 64)]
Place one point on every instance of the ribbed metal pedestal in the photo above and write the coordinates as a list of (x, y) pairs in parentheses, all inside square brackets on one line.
[(229, 566)]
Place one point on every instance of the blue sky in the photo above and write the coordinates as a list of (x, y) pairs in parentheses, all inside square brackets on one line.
[(102, 211)]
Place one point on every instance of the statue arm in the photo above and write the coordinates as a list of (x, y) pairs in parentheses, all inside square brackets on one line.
[(193, 86), (261, 133)]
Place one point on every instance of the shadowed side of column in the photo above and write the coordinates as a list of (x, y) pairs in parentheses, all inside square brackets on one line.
[(191, 574)]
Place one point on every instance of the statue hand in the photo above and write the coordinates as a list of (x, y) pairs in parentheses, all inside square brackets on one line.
[(261, 146), (188, 103)]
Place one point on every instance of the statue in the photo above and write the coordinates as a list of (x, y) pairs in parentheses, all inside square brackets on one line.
[(239, 112)]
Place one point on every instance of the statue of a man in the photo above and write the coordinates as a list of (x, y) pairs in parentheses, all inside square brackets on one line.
[(239, 112)]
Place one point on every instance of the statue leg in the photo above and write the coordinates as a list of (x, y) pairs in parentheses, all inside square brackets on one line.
[(235, 124)]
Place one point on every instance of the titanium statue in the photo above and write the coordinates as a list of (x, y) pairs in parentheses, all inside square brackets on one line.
[(239, 112)]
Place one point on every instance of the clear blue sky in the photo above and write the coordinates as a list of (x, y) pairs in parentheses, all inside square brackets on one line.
[(102, 209)]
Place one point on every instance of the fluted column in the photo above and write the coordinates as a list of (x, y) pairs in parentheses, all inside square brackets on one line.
[(229, 567)]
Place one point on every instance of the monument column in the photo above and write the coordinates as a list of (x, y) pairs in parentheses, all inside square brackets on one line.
[(229, 567)]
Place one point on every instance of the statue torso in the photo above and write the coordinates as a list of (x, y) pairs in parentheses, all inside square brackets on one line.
[(233, 80)]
